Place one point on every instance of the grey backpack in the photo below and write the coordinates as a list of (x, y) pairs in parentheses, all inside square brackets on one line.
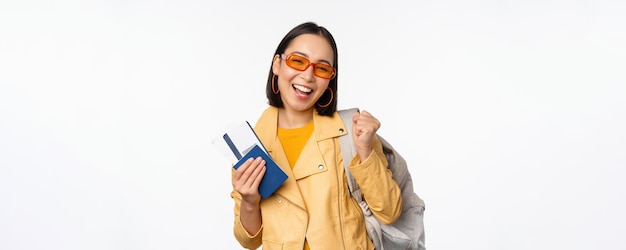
[(407, 232)]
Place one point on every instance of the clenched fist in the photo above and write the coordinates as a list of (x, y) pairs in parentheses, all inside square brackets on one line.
[(364, 127)]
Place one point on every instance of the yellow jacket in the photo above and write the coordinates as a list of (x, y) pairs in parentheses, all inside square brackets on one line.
[(315, 201)]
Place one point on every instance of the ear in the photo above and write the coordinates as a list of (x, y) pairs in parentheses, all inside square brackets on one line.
[(276, 64)]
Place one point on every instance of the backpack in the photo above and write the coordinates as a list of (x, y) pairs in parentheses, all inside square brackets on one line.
[(407, 232)]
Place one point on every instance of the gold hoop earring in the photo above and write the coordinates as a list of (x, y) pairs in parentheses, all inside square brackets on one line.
[(329, 101), (275, 90)]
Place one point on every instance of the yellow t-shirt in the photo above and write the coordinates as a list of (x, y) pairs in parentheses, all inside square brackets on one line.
[(293, 140)]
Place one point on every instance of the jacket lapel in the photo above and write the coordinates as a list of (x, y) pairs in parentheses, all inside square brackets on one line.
[(319, 145), (266, 128)]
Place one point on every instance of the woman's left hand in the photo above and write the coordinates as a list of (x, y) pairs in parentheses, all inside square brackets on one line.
[(364, 127)]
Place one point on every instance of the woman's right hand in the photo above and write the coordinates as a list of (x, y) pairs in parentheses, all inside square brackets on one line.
[(247, 178)]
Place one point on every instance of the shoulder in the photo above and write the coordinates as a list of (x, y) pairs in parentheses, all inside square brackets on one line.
[(268, 117)]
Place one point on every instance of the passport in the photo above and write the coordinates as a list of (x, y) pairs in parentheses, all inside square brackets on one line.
[(240, 143), (274, 175)]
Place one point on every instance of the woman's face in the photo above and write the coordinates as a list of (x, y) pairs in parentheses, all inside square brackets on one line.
[(300, 90)]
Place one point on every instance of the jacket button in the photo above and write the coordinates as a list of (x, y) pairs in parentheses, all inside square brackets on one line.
[(320, 167), (341, 130)]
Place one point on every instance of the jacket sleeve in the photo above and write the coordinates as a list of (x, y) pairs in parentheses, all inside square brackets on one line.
[(243, 237), (381, 192)]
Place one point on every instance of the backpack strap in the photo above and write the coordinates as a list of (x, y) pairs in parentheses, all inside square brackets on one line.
[(348, 151)]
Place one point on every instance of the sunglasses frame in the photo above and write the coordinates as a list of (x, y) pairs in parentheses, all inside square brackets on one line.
[(287, 57)]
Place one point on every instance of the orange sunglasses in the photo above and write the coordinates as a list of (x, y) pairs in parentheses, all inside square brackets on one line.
[(321, 70)]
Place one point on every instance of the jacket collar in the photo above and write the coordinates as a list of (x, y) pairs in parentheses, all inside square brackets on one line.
[(325, 127)]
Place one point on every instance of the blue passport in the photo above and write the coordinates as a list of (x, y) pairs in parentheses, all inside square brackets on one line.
[(274, 175)]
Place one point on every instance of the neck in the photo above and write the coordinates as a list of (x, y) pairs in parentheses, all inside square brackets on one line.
[(289, 118)]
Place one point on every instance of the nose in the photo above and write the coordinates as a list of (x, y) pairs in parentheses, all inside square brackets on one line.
[(308, 74)]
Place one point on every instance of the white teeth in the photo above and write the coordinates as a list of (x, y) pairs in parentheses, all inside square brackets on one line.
[(302, 88)]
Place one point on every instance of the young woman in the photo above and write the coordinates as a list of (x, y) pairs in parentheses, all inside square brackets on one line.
[(300, 129)]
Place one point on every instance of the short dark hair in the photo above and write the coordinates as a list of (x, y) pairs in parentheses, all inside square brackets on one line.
[(307, 28)]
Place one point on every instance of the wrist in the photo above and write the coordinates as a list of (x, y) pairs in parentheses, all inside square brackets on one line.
[(250, 206), (364, 153)]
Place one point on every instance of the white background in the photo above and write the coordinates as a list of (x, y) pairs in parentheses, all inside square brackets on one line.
[(511, 115)]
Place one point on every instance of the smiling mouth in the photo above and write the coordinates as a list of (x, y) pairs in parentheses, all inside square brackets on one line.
[(302, 90)]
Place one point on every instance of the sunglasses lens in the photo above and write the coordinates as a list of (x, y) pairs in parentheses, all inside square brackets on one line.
[(324, 71), (297, 62)]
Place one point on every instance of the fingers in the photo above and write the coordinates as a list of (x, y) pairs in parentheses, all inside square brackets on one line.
[(248, 176), (364, 123), (257, 166), (259, 177)]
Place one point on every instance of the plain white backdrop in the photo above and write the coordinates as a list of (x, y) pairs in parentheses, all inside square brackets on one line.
[(511, 115)]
